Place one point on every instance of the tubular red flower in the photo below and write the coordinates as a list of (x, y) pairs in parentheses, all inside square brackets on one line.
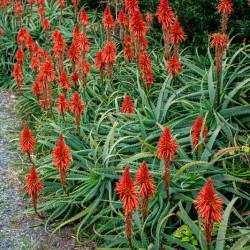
[(176, 32), (27, 141), (209, 207), (109, 52), (82, 43), (128, 51), (131, 6), (76, 104), (62, 103), (173, 66), (196, 130), (84, 19), (75, 78), (144, 181), (47, 71), (208, 204), (35, 64), (167, 145), (138, 26), (127, 105), (219, 40), (127, 191), (64, 82), (225, 7), (36, 90), (20, 56), (34, 185), (165, 14), (61, 155), (19, 8), (127, 39), (46, 24)]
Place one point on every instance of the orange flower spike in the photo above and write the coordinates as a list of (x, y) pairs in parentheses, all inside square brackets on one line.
[(34, 186), (126, 188), (35, 64), (176, 36), (36, 90), (82, 43), (138, 26), (62, 159), (47, 72), (84, 19), (64, 82), (62, 103), (27, 141), (20, 56), (128, 51), (109, 57), (76, 107), (167, 148), (121, 19), (127, 39), (127, 105), (61, 4), (108, 23), (147, 187), (196, 130), (75, 78), (173, 66), (131, 6), (100, 63), (46, 26), (209, 207), (225, 7), (165, 14)]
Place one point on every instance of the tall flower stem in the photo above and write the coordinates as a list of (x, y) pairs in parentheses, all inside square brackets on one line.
[(167, 172)]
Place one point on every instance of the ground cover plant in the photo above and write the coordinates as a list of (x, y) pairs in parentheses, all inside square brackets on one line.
[(136, 141)]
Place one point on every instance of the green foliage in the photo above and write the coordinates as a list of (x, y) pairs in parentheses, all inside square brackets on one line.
[(110, 140)]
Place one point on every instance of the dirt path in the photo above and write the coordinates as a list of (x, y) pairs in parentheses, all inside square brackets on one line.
[(15, 229)]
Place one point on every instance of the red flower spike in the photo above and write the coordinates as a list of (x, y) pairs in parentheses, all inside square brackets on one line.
[(19, 8), (62, 159), (109, 56), (62, 103), (64, 82), (196, 130), (61, 4), (76, 104), (106, 11), (61, 155), (82, 43), (36, 90), (165, 14), (209, 207), (145, 62), (173, 66), (131, 6), (219, 40), (35, 64), (84, 19), (144, 181), (46, 24), (20, 56), (128, 51), (75, 78), (27, 141), (127, 39), (176, 32), (99, 60), (167, 145), (147, 188), (127, 105), (167, 148), (138, 26), (1, 32), (121, 19), (76, 31), (127, 191), (54, 35), (17, 71), (225, 7), (34, 185), (47, 72)]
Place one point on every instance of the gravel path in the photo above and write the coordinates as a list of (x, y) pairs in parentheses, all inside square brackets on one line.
[(15, 230)]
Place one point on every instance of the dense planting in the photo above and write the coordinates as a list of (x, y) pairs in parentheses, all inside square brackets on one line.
[(135, 140)]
